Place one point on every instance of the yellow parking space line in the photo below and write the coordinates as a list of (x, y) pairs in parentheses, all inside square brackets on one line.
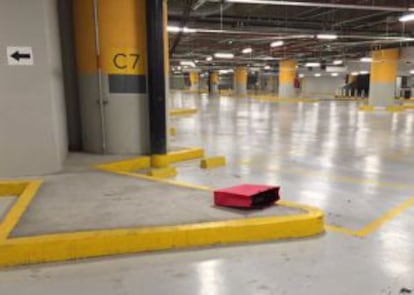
[(388, 216), (183, 112), (16, 212), (342, 230)]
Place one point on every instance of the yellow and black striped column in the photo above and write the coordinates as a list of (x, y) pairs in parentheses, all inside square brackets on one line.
[(240, 81), (287, 76), (384, 69), (194, 81), (214, 81)]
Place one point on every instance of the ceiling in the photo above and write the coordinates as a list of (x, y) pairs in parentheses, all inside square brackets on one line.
[(222, 26)]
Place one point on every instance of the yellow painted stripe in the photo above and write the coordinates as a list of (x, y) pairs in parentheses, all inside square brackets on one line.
[(213, 162), (19, 207), (384, 66), (342, 230), (287, 71), (240, 75), (182, 112), (386, 218), (61, 247), (128, 165)]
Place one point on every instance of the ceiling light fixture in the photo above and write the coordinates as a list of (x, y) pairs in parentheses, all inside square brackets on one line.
[(267, 67), (337, 62), (209, 58), (317, 75), (363, 72), (175, 29), (224, 55), (366, 59), (354, 74), (301, 75), (412, 72), (327, 36), (187, 63), (247, 50), (312, 64), (406, 18), (277, 44), (334, 74)]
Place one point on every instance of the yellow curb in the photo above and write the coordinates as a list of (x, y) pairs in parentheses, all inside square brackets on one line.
[(213, 162), (62, 247), (173, 131), (164, 172), (182, 112), (366, 108)]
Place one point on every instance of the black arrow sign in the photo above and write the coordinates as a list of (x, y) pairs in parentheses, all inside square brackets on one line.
[(18, 56)]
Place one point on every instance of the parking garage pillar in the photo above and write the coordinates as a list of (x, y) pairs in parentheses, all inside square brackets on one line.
[(384, 69), (121, 73), (240, 81), (194, 81), (214, 83), (287, 76)]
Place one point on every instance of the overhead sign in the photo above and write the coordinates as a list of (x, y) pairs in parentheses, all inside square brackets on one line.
[(19, 56)]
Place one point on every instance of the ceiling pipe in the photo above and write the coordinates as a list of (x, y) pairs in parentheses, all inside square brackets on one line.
[(319, 4)]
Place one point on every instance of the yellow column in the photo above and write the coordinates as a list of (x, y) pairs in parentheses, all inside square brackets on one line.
[(384, 69), (194, 81), (111, 54), (240, 81), (287, 76), (214, 82)]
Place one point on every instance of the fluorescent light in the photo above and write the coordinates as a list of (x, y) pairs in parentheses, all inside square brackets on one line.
[(209, 58), (334, 74), (317, 75), (412, 72), (364, 72), (301, 75), (366, 59), (223, 72), (224, 55), (327, 36), (247, 50), (406, 18), (337, 62), (277, 44), (175, 29), (187, 63), (312, 64), (267, 67), (188, 30), (354, 74)]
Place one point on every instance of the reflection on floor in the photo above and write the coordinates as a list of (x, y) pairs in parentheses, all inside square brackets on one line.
[(354, 165)]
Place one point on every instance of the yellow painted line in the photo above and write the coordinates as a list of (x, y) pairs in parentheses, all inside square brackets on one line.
[(61, 247), (182, 112), (386, 218), (164, 172), (129, 165), (19, 207), (277, 99), (342, 230)]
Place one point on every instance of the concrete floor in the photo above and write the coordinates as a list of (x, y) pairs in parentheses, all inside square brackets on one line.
[(356, 166)]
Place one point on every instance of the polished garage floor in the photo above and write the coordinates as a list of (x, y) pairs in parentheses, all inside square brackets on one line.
[(355, 166)]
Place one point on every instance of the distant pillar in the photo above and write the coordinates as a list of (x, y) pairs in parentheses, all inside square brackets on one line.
[(287, 76), (384, 69), (214, 83), (240, 81), (194, 81)]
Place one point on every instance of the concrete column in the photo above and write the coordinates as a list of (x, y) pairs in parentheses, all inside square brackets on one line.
[(270, 84), (384, 69), (240, 81), (33, 136), (194, 81), (287, 76), (214, 81), (113, 88)]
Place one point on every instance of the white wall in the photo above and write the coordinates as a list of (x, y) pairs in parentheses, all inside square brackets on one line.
[(33, 137), (321, 86)]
